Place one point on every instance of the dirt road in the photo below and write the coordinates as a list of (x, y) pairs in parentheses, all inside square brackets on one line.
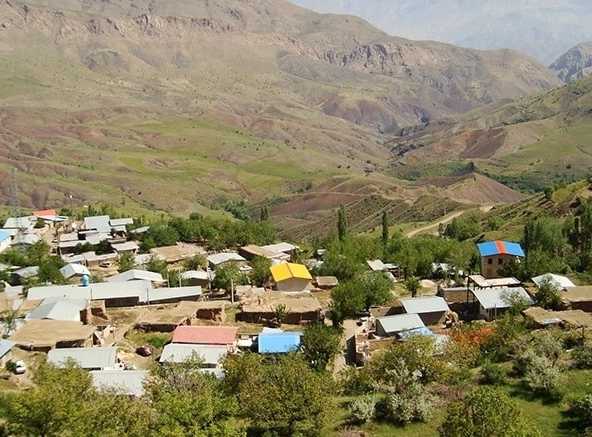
[(433, 227)]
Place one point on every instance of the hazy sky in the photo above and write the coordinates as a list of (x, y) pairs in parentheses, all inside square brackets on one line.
[(542, 28)]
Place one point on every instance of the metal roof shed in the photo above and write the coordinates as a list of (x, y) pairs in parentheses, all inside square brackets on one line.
[(205, 335), (58, 309), (426, 304), (73, 269), (558, 281), (95, 358), (178, 353), (137, 275), (391, 325), (278, 342), (125, 382), (100, 223), (498, 299)]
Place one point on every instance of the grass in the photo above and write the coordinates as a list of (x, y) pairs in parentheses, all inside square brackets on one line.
[(155, 339)]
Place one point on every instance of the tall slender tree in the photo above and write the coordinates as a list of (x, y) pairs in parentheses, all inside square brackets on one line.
[(385, 228), (341, 224), (264, 213)]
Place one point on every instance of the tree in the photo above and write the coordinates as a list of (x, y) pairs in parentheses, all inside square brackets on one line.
[(341, 224), (486, 412), (320, 345), (197, 262), (260, 274), (351, 297), (281, 397), (279, 314), (125, 262), (548, 296), (8, 319), (264, 213), (226, 276), (412, 284), (385, 229)]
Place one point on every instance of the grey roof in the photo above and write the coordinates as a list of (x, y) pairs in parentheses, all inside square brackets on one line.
[(20, 222), (427, 304), (220, 258), (27, 272), (400, 322), (125, 382), (136, 275), (178, 353), (281, 247), (5, 347), (498, 297), (376, 265), (140, 230), (99, 291), (560, 282), (121, 221), (160, 294), (97, 238), (195, 274), (85, 357), (127, 246), (100, 223), (58, 309), (26, 239), (71, 243), (71, 269)]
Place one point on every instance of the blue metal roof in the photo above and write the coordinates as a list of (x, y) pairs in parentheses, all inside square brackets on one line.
[(493, 248), (4, 235), (278, 342), (5, 347)]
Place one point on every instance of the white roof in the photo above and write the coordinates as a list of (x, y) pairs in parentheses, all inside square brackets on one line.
[(221, 258), (178, 353), (58, 309), (195, 274), (99, 291), (70, 270), (280, 247), (560, 282), (498, 297), (400, 322), (496, 282), (69, 236), (376, 265), (97, 238), (136, 275), (140, 230), (20, 222), (101, 223), (121, 221), (71, 243), (85, 357), (26, 239), (160, 294), (125, 247), (427, 304), (27, 272), (126, 382)]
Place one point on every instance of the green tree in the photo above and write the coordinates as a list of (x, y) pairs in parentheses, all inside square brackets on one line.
[(281, 397), (320, 345), (226, 276), (341, 224), (385, 229), (260, 274), (264, 213), (197, 262), (413, 285), (486, 412), (351, 297), (125, 262), (548, 296)]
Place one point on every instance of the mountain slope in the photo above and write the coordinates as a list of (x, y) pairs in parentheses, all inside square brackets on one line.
[(542, 28), (575, 63), (170, 105)]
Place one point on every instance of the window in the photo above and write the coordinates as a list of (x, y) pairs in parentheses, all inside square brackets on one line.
[(489, 261), (500, 261)]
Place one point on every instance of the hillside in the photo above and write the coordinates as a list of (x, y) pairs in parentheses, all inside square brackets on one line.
[(529, 143), (172, 105), (575, 64), (547, 27)]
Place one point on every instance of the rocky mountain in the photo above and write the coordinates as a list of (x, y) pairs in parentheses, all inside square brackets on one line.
[(541, 28), (173, 104), (575, 64)]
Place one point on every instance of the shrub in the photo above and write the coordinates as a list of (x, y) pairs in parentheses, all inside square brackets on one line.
[(543, 378), (583, 357), (355, 381), (362, 409), (493, 374), (581, 409), (412, 404)]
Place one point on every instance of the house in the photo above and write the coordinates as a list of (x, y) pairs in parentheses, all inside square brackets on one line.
[(119, 226), (291, 277), (252, 251), (44, 335), (5, 240), (71, 270), (56, 308), (98, 223), (210, 355), (124, 382), (25, 240), (326, 282), (276, 341), (578, 298), (557, 281), (219, 259), (495, 255), (127, 247), (199, 278), (478, 281), (495, 301), (20, 223), (376, 265), (282, 248), (431, 309), (137, 275), (26, 272), (390, 326), (5, 352), (206, 335), (174, 294), (89, 358)]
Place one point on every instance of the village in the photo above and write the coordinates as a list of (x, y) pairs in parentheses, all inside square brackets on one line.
[(117, 308)]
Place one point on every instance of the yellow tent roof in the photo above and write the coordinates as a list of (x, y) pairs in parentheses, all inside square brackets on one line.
[(284, 271)]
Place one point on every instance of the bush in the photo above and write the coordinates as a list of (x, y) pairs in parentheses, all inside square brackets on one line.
[(582, 357), (493, 374), (412, 404), (362, 409), (355, 382), (543, 378), (581, 409)]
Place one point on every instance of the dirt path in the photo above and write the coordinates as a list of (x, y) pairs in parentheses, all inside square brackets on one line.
[(434, 226), (342, 359)]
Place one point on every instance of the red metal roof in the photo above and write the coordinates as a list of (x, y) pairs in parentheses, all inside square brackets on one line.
[(205, 335), (46, 213)]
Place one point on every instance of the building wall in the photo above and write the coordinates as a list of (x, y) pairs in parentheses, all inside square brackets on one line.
[(294, 285), (4, 245), (491, 265), (433, 319), (381, 332)]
